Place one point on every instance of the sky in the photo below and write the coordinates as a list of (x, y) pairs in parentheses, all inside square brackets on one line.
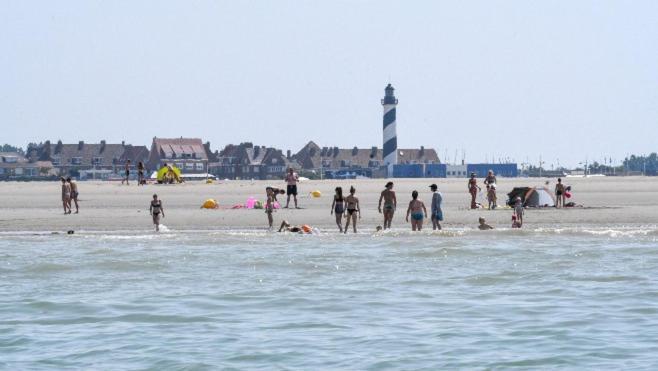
[(564, 81)]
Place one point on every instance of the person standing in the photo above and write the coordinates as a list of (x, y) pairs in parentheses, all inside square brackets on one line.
[(74, 194), (291, 181), (66, 196), (518, 210), (417, 211), (352, 208), (156, 210), (269, 206), (126, 169), (338, 207), (437, 213), (390, 204), (140, 174), (473, 189), (490, 182), (559, 193), (490, 179)]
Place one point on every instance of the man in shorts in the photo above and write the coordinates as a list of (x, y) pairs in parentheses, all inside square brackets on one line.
[(291, 181)]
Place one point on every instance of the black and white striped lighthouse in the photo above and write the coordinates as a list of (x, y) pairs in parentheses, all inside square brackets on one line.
[(390, 136)]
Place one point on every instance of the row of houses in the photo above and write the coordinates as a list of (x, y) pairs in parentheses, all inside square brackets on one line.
[(193, 156)]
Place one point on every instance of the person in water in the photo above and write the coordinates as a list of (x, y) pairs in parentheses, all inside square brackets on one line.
[(338, 207), (74, 194), (66, 196), (435, 209), (559, 194), (269, 206), (302, 229), (156, 210), (483, 225), (390, 204), (473, 189), (352, 207), (417, 211), (518, 210)]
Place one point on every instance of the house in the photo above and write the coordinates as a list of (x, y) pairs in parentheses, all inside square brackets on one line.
[(71, 159), (14, 165), (188, 154), (247, 161)]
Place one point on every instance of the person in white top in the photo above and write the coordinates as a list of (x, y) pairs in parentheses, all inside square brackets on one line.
[(291, 180)]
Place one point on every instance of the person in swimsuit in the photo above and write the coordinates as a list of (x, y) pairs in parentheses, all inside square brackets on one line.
[(269, 206), (483, 225), (66, 196), (302, 229), (490, 179), (74, 194), (352, 206), (338, 207), (518, 210), (491, 196), (140, 174), (390, 204), (156, 210), (276, 192), (291, 182), (126, 169), (437, 213), (417, 211), (559, 193), (473, 189)]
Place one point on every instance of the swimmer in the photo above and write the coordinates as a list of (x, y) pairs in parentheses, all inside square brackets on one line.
[(352, 204), (483, 225), (338, 207), (155, 210), (66, 196), (378, 228), (390, 204), (74, 194), (417, 211), (302, 229)]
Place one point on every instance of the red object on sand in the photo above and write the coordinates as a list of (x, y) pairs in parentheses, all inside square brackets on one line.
[(567, 194)]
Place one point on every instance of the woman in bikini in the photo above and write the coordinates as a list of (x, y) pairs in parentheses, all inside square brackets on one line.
[(338, 207), (352, 208), (156, 209), (417, 211)]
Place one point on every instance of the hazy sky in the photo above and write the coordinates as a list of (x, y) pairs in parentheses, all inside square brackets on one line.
[(562, 79)]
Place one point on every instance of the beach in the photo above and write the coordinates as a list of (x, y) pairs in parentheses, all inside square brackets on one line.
[(110, 206)]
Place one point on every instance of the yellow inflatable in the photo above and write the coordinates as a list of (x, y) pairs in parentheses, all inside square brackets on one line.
[(316, 194), (210, 204)]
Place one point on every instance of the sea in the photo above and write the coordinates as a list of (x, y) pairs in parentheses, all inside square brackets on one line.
[(581, 298)]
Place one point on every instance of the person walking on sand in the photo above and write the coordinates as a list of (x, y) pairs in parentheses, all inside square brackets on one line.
[(518, 210), (126, 169), (437, 212), (559, 193), (473, 189), (269, 206), (291, 182), (74, 194), (66, 196), (156, 210), (338, 207), (390, 204), (417, 211), (140, 174), (353, 207)]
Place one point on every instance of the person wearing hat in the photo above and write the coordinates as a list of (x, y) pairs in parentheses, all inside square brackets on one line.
[(473, 189), (437, 213)]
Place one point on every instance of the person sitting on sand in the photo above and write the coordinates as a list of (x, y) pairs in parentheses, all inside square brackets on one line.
[(483, 225), (560, 193), (437, 212), (515, 222), (390, 204), (473, 189), (302, 229), (74, 194), (352, 207), (156, 210), (518, 209), (66, 196), (417, 211), (338, 207)]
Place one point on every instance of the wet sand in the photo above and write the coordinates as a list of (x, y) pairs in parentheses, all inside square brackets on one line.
[(109, 206)]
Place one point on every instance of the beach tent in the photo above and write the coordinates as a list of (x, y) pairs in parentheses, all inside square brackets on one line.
[(532, 197), (167, 176)]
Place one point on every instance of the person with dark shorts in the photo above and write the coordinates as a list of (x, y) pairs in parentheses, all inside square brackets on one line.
[(127, 172), (291, 181), (353, 210), (559, 193)]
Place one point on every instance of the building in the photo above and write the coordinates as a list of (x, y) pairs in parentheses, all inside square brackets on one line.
[(390, 143), (15, 166), (190, 155), (71, 159), (456, 171), (247, 161)]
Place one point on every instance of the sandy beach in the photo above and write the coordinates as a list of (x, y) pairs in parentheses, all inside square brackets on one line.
[(110, 206)]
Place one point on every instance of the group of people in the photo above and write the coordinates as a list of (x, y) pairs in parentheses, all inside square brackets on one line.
[(69, 195), (474, 189), (141, 180)]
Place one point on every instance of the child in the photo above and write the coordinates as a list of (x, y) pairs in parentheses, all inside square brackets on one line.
[(491, 196), (515, 223), (518, 210), (483, 225)]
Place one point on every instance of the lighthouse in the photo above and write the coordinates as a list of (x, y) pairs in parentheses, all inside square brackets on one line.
[(390, 136)]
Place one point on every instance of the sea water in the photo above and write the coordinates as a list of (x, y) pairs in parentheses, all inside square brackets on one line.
[(549, 298)]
